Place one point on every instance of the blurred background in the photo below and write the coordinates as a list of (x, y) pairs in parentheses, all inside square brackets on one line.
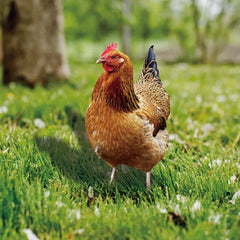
[(40, 38), (197, 31)]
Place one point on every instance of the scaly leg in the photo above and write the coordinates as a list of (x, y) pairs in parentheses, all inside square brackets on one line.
[(113, 174), (148, 180)]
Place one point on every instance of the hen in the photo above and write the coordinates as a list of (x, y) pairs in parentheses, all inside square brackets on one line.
[(126, 123)]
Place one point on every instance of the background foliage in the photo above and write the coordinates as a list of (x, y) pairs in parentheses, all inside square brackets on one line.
[(195, 30)]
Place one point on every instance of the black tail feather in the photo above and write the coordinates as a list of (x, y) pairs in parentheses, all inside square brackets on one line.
[(150, 61)]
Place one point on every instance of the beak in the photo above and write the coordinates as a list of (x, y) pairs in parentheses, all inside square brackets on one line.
[(100, 60)]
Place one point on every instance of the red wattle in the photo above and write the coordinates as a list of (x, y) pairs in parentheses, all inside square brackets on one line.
[(108, 67)]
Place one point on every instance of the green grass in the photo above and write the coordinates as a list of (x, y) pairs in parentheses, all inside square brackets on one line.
[(46, 172)]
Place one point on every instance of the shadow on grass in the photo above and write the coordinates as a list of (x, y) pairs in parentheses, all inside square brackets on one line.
[(76, 163), (73, 163), (83, 166)]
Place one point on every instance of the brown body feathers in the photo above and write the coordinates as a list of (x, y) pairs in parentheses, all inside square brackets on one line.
[(126, 123)]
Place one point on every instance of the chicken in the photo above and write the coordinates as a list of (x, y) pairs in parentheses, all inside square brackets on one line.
[(126, 123)]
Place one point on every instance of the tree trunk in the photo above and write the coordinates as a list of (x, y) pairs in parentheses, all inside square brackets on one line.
[(1, 52), (33, 42)]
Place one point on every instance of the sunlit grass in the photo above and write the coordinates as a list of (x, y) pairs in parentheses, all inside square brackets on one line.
[(46, 172)]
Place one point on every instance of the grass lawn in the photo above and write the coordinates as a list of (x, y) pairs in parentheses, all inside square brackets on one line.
[(53, 184)]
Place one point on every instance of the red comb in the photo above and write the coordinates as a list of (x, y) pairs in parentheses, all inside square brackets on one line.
[(112, 46)]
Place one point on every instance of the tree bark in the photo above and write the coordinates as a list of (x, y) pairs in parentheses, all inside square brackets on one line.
[(33, 42), (1, 52)]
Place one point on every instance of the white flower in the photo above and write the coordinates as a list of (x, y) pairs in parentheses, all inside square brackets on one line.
[(181, 199), (5, 151), (190, 124), (12, 85), (79, 231), (47, 194), (30, 234), (177, 209), (90, 192), (97, 211), (196, 207), (60, 92), (3, 109), (214, 218), (221, 98), (235, 197), (233, 179), (39, 123), (198, 99), (176, 138), (25, 99), (207, 128), (215, 108), (234, 97), (238, 165), (74, 214), (59, 204), (227, 161), (215, 163), (78, 214), (160, 209)]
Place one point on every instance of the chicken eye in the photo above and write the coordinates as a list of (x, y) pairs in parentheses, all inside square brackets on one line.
[(113, 57)]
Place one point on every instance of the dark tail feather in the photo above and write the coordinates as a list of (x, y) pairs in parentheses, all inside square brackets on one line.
[(150, 61)]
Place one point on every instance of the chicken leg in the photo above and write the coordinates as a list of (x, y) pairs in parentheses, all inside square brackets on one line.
[(113, 174), (148, 180)]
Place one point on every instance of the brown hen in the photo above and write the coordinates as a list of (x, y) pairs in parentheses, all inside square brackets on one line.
[(126, 123)]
